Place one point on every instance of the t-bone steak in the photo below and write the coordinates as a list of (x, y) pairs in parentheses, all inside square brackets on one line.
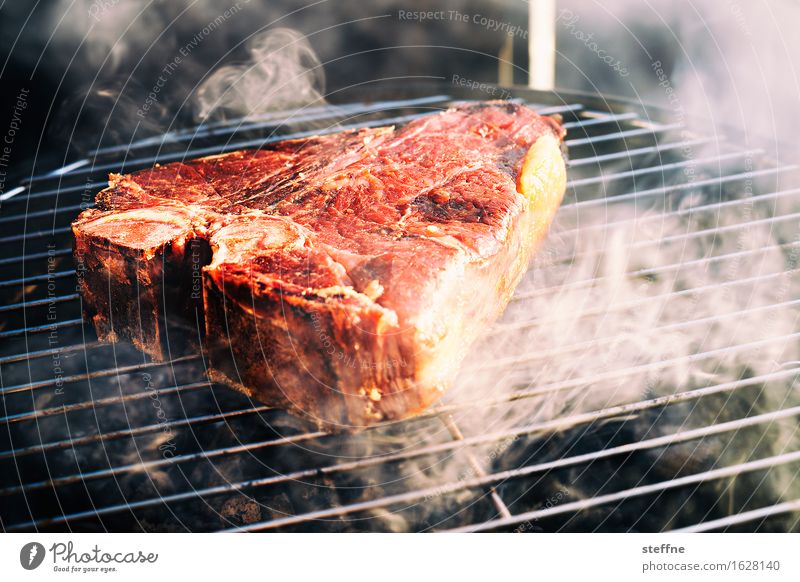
[(342, 277)]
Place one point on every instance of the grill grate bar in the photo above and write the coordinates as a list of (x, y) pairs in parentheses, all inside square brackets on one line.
[(705, 261), (600, 120), (244, 125), (163, 462), (51, 352), (150, 160), (653, 217), (231, 128), (744, 517), (497, 329), (654, 129), (551, 109), (714, 206), (131, 432), (716, 474), (86, 168), (505, 328), (567, 384), (613, 374), (51, 192), (655, 330), (30, 386), (34, 256), (571, 125), (48, 352), (99, 402), (560, 424), (40, 329), (626, 154), (602, 178), (573, 162), (568, 422), (670, 295), (538, 355), (40, 302), (36, 234), (547, 290), (43, 213), (721, 229), (614, 130), (541, 390), (37, 278), (277, 120), (494, 478)]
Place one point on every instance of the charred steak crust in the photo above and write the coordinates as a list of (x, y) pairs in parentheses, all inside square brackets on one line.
[(342, 276)]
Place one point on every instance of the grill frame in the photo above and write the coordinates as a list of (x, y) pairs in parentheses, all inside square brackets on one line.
[(632, 121)]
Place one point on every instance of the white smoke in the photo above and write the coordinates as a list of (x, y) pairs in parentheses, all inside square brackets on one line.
[(607, 316)]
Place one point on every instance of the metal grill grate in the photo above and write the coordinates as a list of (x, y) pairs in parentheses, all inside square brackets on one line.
[(97, 437)]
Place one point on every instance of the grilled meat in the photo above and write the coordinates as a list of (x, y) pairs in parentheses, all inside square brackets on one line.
[(342, 276)]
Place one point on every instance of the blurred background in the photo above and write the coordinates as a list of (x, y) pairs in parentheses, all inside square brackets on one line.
[(88, 66)]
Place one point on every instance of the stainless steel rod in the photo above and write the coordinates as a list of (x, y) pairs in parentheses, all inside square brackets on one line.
[(744, 517), (582, 505)]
